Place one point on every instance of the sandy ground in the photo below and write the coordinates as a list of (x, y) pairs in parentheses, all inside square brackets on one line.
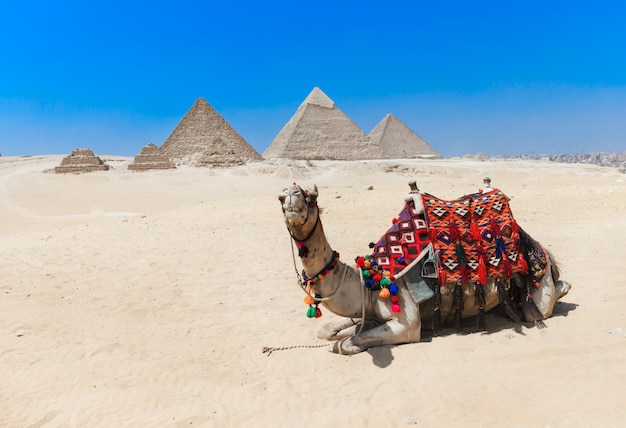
[(145, 299)]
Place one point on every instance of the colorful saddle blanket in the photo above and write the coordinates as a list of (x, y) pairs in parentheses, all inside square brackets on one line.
[(475, 237), (403, 242)]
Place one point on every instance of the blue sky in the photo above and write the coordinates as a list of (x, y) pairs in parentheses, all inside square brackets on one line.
[(497, 77)]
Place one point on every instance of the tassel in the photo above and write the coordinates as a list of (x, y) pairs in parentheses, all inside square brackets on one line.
[(303, 251), (442, 276), (475, 231), (437, 309), (460, 254), (482, 271), (458, 304), (500, 248), (311, 312), (494, 226), (318, 312), (453, 229), (480, 301), (506, 266), (506, 302), (523, 264)]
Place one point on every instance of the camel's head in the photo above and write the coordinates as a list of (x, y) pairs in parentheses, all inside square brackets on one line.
[(300, 208)]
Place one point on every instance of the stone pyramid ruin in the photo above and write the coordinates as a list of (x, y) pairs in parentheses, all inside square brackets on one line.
[(150, 157), (81, 160), (319, 130), (204, 134), (398, 141)]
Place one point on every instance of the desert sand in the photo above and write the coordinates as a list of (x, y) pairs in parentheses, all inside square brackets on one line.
[(145, 299)]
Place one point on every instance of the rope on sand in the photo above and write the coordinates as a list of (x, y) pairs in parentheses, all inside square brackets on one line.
[(270, 349)]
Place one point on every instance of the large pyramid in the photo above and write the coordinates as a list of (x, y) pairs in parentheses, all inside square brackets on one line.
[(203, 133), (319, 130), (398, 141)]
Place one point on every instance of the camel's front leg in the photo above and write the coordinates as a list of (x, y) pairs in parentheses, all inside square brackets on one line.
[(393, 332), (339, 329)]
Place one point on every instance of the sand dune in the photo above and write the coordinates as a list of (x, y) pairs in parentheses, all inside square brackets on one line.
[(144, 299)]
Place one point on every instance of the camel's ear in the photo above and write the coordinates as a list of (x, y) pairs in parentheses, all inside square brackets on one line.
[(312, 196)]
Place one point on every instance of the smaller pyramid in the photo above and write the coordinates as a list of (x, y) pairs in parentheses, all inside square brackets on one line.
[(319, 130), (150, 157), (81, 160), (398, 141), (204, 134)]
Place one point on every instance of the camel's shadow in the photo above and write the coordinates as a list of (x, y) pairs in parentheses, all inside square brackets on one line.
[(497, 321)]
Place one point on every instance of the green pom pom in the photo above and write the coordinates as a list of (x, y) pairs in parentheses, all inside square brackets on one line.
[(311, 312), (384, 282), (366, 274)]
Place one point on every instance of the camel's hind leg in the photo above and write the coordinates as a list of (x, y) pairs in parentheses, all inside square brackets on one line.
[(550, 290)]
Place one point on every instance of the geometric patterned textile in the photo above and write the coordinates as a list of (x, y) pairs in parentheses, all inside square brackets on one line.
[(474, 237), (403, 242)]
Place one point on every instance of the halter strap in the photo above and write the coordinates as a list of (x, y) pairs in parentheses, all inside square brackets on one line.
[(332, 264), (317, 222)]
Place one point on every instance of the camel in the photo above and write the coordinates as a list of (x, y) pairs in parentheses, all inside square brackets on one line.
[(369, 320)]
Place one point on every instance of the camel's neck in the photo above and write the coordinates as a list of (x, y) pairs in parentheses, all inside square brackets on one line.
[(321, 256), (320, 253)]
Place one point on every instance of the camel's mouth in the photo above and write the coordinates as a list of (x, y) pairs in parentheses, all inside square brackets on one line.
[(292, 212)]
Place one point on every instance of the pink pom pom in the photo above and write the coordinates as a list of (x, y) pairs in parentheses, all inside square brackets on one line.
[(395, 308)]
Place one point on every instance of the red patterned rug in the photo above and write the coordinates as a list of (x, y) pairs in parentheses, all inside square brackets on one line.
[(475, 237)]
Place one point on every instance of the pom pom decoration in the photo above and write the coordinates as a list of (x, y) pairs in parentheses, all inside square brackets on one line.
[(313, 302), (377, 278)]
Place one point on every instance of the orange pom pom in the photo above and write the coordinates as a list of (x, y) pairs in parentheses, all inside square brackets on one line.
[(384, 293), (309, 300)]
